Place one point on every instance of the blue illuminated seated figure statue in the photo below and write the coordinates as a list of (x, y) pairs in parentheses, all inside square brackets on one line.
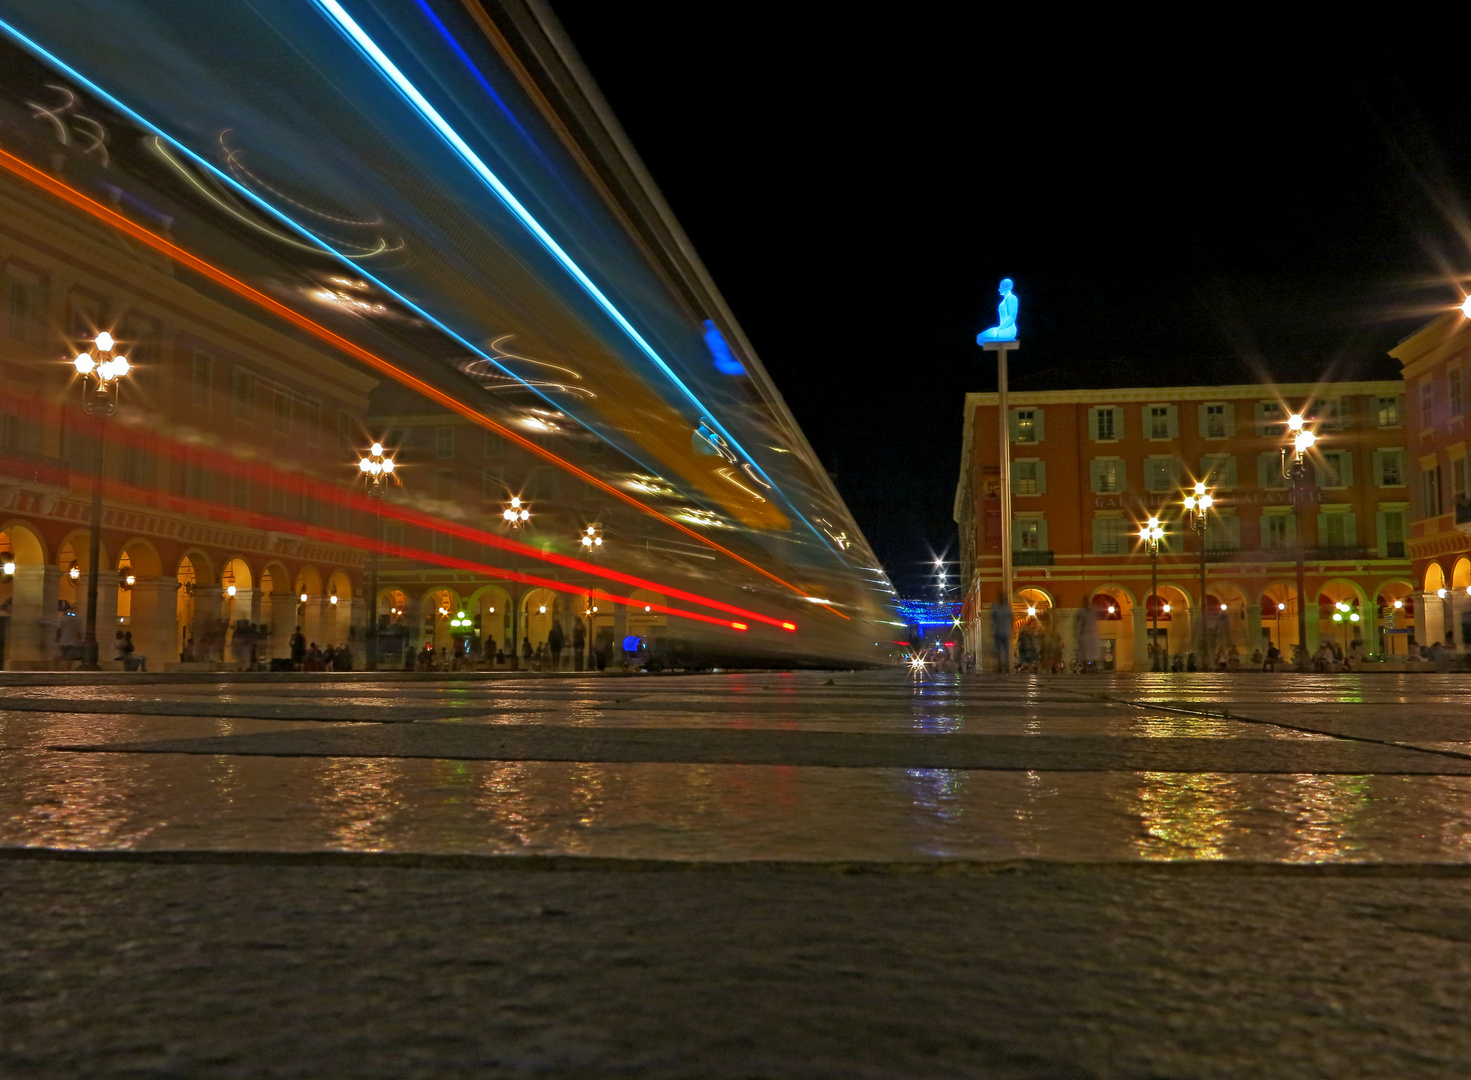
[(1005, 313)]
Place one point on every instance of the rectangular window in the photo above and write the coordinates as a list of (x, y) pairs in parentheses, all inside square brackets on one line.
[(1394, 534), (393, 537), (1336, 531), (239, 491), (1391, 468), (1215, 421), (1218, 470), (1336, 469), (1159, 421), (242, 393), (1159, 474), (1458, 480), (1430, 491), (1108, 475), (1276, 531), (444, 442), (1029, 535), (1025, 478), (25, 305), (281, 410), (1111, 536), (1026, 426), (1388, 411), (1271, 418), (1107, 426), (1427, 405), (1453, 392), (19, 434), (83, 315), (1327, 412), (203, 382), (1224, 534)]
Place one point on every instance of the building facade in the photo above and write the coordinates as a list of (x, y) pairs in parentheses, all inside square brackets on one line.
[(1090, 466), (1436, 361)]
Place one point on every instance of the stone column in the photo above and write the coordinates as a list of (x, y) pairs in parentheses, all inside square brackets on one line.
[(1141, 639), (106, 610), (32, 641), (154, 622), (283, 624), (314, 619)]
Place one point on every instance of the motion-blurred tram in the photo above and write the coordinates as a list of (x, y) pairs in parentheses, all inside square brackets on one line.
[(319, 226)]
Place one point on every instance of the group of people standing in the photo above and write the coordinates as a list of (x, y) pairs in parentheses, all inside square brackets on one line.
[(471, 654)]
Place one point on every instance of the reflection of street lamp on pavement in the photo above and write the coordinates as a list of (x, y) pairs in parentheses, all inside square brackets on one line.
[(1152, 533), (376, 467), (1199, 504), (102, 375)]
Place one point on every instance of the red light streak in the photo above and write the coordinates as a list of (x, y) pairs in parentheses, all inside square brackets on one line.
[(208, 270)]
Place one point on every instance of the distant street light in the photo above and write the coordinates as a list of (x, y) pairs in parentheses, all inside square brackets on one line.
[(1198, 503), (1295, 469), (1152, 533), (377, 467), (102, 376)]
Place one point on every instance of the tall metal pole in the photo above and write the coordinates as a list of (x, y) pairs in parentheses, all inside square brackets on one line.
[(1204, 607), (1154, 603), (94, 553), (372, 642), (1003, 416), (1299, 470)]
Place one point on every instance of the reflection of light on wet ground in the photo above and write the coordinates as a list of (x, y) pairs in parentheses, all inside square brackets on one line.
[(723, 811)]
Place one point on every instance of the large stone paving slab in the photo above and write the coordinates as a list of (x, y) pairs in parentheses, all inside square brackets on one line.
[(532, 742)]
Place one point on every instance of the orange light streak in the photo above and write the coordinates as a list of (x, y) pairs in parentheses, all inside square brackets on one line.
[(105, 214)]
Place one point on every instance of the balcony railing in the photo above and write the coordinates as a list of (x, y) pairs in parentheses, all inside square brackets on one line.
[(1351, 551), (1031, 558)]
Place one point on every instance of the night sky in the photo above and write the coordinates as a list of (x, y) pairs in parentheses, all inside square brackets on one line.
[(857, 188)]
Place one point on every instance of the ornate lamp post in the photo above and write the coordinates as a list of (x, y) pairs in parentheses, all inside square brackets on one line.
[(1295, 469), (376, 467), (515, 515), (102, 371), (1152, 533), (1199, 503), (592, 539)]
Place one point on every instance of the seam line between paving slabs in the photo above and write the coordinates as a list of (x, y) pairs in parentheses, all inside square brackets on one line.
[(1205, 714), (842, 867)]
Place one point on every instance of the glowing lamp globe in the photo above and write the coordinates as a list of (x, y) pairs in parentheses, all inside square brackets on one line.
[(105, 341), (85, 364)]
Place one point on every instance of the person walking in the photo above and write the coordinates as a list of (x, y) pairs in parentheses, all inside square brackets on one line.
[(555, 640), (526, 653), (298, 649), (579, 640)]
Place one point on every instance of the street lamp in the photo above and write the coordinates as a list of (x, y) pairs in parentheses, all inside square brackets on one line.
[(376, 467), (1199, 503), (1152, 533), (516, 514), (102, 372), (592, 539), (1295, 469)]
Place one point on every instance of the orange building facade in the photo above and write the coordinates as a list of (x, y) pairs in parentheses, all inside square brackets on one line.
[(1436, 361), (1090, 466)]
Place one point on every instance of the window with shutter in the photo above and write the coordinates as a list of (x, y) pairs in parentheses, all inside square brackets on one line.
[(1389, 468), (1159, 421), (1213, 420), (1159, 474), (1111, 536), (1028, 478), (1277, 531), (1453, 391), (1218, 470), (1430, 491), (1107, 475), (1025, 425), (1387, 409), (1105, 424), (1427, 405)]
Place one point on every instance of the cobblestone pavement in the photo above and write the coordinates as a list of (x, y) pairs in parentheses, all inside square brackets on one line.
[(745, 876)]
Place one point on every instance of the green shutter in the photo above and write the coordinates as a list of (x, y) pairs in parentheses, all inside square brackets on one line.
[(1381, 535), (1378, 468), (1322, 529), (1039, 427), (1093, 426), (1042, 544), (1041, 478), (1203, 418), (1011, 423), (1098, 536), (1095, 474), (1230, 420), (1350, 528), (1346, 459), (1118, 423)]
